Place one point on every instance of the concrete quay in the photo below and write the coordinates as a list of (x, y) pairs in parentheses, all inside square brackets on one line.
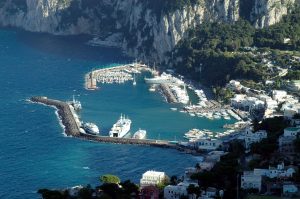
[(72, 128), (168, 93)]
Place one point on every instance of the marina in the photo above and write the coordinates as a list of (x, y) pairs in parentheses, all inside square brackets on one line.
[(117, 75)]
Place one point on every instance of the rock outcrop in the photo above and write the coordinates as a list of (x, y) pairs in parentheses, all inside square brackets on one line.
[(144, 31)]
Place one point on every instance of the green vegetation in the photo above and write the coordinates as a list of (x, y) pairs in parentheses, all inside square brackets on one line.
[(213, 53), (108, 178), (224, 174), (274, 36), (274, 127), (297, 145), (107, 190)]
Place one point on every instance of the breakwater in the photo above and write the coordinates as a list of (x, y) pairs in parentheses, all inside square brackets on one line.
[(168, 93), (72, 128)]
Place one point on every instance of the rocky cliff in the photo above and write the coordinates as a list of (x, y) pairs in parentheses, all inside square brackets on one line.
[(142, 28), (268, 12)]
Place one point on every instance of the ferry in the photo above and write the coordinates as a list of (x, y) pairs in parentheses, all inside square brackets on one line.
[(91, 128), (140, 134), (121, 128)]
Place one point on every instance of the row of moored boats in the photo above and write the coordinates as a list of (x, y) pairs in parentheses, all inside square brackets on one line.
[(119, 130)]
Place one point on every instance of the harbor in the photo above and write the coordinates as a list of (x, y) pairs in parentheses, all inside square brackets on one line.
[(117, 75), (72, 127)]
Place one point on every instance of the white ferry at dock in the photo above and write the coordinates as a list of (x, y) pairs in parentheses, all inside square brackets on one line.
[(121, 128)]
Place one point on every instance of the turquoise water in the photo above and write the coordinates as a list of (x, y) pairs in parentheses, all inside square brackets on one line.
[(33, 151)]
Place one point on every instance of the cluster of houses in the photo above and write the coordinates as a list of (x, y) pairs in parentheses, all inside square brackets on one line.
[(261, 179)]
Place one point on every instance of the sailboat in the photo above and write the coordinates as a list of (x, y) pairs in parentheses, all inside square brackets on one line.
[(134, 81)]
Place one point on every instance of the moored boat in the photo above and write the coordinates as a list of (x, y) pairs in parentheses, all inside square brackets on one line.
[(91, 128), (140, 134), (121, 128)]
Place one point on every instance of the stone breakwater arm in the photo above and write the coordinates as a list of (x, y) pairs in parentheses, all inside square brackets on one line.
[(168, 93), (72, 128), (64, 112)]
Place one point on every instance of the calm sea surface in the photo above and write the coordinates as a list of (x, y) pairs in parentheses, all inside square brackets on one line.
[(35, 154)]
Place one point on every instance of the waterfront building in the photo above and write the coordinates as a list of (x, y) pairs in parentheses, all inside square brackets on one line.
[(176, 191), (286, 141), (249, 137), (246, 103), (208, 144), (153, 178)]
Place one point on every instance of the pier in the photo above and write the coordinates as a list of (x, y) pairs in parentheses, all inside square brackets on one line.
[(168, 93), (72, 128)]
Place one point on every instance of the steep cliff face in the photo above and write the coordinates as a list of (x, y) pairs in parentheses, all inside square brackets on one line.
[(269, 12), (143, 30)]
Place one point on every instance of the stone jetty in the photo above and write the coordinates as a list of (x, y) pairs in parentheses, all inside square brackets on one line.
[(65, 113), (72, 128), (168, 93)]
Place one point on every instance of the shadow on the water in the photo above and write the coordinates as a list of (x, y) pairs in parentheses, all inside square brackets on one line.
[(70, 47)]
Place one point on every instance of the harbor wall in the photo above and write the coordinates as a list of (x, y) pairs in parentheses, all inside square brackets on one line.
[(72, 128)]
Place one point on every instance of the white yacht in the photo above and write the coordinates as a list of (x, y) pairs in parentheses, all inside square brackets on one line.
[(76, 104), (91, 128), (140, 134), (121, 128), (164, 79)]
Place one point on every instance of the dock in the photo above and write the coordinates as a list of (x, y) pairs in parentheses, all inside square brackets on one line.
[(72, 128)]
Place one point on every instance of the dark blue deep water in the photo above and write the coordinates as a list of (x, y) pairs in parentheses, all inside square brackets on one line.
[(33, 150)]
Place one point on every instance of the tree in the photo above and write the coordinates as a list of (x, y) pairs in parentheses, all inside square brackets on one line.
[(192, 189), (297, 145), (174, 180), (108, 178), (128, 187), (53, 194)]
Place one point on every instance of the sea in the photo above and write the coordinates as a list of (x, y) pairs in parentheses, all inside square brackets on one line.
[(34, 151)]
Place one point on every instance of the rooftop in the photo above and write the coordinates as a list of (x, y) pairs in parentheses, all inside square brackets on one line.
[(293, 129)]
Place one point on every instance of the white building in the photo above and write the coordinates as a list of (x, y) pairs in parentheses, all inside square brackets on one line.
[(246, 103), (286, 141), (253, 179), (153, 178), (290, 109), (291, 131), (289, 189), (209, 193), (208, 144), (234, 85), (251, 137), (279, 95), (177, 191)]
